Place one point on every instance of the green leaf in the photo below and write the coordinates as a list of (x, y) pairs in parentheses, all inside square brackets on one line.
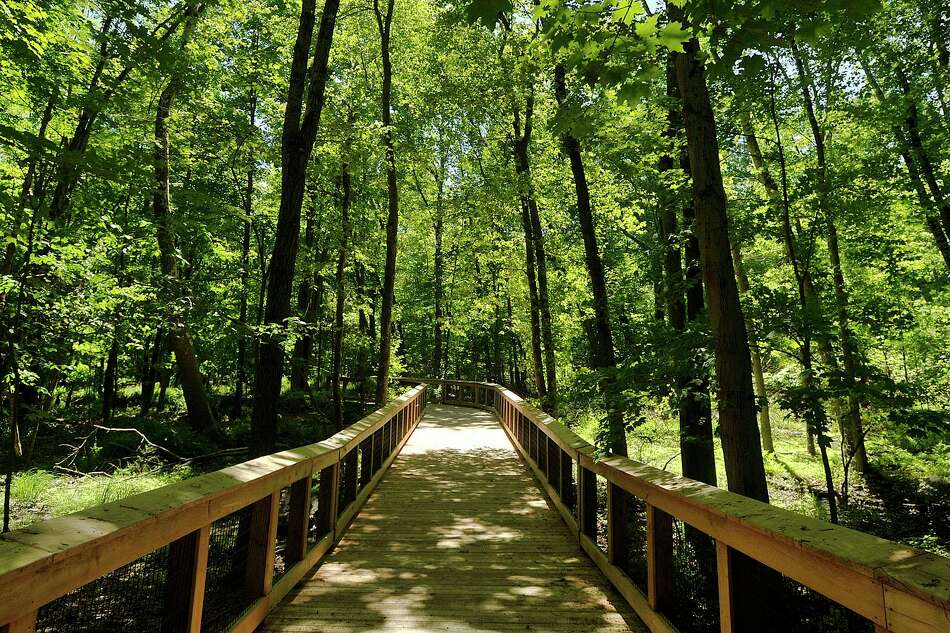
[(626, 12)]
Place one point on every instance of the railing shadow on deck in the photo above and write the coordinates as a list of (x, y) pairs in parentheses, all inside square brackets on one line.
[(679, 550), (236, 540)]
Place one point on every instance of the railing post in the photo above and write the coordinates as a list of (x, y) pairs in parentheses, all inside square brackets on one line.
[(24, 624), (327, 499), (567, 480), (187, 568), (587, 501), (260, 547), (659, 558), (298, 520), (617, 511), (724, 573), (366, 458)]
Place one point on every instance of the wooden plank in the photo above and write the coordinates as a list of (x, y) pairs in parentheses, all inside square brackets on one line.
[(298, 520), (724, 575), (659, 558), (24, 624), (185, 584), (259, 574)]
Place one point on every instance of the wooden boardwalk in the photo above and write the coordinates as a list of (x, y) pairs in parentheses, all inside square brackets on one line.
[(457, 538)]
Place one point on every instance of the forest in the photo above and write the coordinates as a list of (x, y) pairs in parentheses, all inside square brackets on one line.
[(712, 236)]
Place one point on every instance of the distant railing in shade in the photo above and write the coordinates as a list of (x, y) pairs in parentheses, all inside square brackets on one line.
[(832, 578), (211, 553)]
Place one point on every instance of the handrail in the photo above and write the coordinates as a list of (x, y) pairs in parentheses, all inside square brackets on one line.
[(50, 559), (898, 588)]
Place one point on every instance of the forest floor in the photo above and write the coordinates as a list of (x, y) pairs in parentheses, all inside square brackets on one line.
[(904, 497)]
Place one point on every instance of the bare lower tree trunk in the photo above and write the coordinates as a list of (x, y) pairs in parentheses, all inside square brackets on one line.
[(109, 379), (384, 23), (301, 122), (300, 358), (152, 360), (438, 291), (697, 452)]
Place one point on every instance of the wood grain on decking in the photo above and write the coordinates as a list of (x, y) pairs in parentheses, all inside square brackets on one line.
[(456, 538)]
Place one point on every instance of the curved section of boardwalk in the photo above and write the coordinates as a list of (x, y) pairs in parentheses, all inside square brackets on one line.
[(456, 538)]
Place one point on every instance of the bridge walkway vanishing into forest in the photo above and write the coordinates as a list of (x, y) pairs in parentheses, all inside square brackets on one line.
[(456, 538)]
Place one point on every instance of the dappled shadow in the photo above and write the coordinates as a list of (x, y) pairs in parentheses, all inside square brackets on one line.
[(457, 538)]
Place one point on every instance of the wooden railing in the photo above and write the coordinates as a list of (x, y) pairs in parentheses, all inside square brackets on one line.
[(897, 588), (53, 560)]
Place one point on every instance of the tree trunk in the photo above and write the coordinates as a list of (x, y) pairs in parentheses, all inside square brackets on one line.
[(109, 380), (438, 290), (697, 452), (384, 23), (930, 208), (758, 376), (248, 200), (300, 359), (742, 450), (603, 354), (297, 138), (851, 422), (192, 386), (152, 360), (345, 195), (522, 168)]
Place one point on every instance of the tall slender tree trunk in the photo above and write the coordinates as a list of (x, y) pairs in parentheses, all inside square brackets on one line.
[(384, 24), (345, 197), (438, 290), (742, 449), (807, 296), (851, 422), (248, 201), (189, 375), (603, 356), (758, 376), (297, 138), (523, 170), (932, 211)]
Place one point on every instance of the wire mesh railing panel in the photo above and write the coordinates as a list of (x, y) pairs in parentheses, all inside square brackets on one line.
[(226, 598), (694, 605), (802, 610), (283, 521), (131, 598), (634, 562), (314, 531), (602, 529)]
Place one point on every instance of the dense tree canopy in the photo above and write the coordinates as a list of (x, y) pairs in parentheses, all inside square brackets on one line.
[(715, 236)]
